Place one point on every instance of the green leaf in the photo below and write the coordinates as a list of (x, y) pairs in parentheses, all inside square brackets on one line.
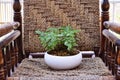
[(52, 37)]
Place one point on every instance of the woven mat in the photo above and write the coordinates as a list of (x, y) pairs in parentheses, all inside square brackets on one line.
[(89, 69)]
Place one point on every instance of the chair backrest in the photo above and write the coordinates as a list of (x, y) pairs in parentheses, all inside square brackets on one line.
[(8, 48), (80, 14)]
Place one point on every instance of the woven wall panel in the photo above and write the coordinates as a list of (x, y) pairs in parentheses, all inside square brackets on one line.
[(80, 14)]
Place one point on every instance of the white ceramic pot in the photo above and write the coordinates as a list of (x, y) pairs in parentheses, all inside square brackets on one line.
[(63, 62)]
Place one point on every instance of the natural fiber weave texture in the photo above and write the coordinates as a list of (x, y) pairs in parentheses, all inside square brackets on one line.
[(89, 69), (80, 14), (38, 78)]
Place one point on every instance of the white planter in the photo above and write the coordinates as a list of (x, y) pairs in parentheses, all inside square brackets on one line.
[(63, 62)]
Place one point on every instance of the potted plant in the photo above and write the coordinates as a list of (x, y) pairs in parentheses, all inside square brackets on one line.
[(60, 44)]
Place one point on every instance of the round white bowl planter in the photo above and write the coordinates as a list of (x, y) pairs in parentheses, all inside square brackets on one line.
[(62, 62)]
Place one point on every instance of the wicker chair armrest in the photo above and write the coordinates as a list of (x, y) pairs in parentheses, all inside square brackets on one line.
[(113, 38), (6, 39), (112, 26), (6, 28)]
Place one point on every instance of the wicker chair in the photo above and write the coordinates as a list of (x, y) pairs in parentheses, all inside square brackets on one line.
[(81, 14)]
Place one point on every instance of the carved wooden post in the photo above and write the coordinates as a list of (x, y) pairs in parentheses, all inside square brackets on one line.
[(104, 17), (2, 72), (18, 18), (117, 68)]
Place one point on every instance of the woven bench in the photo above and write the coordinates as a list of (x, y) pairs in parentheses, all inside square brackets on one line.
[(89, 69)]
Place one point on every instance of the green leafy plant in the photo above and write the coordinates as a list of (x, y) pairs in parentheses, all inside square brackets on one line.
[(61, 39)]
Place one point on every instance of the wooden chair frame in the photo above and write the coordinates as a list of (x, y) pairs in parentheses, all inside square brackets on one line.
[(109, 48)]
